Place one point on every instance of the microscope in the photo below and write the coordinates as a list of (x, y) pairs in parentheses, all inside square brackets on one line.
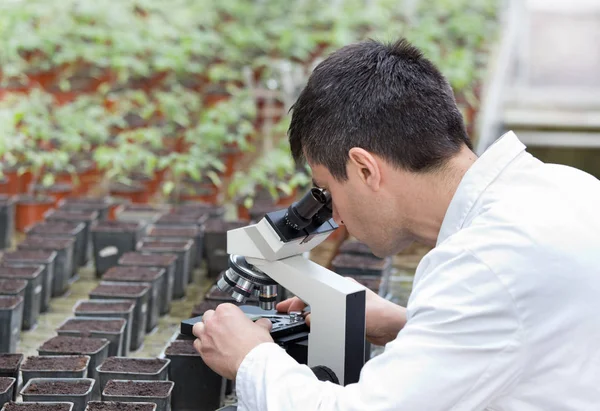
[(271, 252)]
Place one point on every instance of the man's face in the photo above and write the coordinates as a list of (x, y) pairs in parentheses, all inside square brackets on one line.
[(369, 216)]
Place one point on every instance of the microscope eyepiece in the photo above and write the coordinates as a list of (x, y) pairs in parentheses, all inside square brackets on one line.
[(301, 213)]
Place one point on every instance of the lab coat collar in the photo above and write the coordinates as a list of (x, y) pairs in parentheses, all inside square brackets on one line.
[(476, 180)]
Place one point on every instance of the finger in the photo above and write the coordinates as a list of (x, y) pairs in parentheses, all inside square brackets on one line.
[(283, 306), (265, 323), (307, 320), (198, 329), (197, 345), (207, 315)]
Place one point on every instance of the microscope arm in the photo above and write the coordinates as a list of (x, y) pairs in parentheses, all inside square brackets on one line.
[(337, 336)]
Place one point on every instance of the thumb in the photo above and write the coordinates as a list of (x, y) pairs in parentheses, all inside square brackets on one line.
[(265, 323)]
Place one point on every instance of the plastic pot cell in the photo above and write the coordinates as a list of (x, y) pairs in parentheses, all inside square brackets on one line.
[(158, 392), (199, 209), (7, 221), (182, 233), (215, 244), (197, 387), (75, 390), (38, 406), (64, 229), (142, 369), (87, 217), (63, 265), (120, 406), (140, 293), (55, 366), (111, 329), (7, 390), (13, 287), (33, 275), (10, 364), (95, 348), (165, 261), (182, 266), (144, 275), (109, 309), (141, 213), (112, 239), (100, 205), (35, 257), (11, 318)]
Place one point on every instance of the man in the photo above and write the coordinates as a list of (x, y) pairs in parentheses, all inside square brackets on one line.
[(504, 309)]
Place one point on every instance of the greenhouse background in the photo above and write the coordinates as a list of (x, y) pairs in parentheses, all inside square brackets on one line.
[(164, 122)]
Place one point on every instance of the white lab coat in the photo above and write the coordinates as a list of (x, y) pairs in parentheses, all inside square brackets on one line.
[(504, 313)]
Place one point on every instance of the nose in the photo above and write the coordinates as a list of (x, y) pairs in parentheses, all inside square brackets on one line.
[(336, 216)]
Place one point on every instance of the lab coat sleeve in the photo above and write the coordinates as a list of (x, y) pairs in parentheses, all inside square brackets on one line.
[(460, 349)]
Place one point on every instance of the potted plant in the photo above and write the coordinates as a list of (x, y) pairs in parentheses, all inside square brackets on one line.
[(123, 368), (55, 366), (112, 329), (158, 392), (10, 365)]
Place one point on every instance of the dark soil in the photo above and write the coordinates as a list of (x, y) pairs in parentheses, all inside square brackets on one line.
[(132, 273), (20, 272), (217, 225), (99, 306), (9, 301), (56, 227), (143, 207), (147, 259), (36, 406), (5, 382), (356, 247), (54, 363), (10, 362), (74, 387), (138, 388), (55, 188), (120, 290), (45, 243), (116, 226), (133, 365), (204, 306), (118, 406), (166, 231), (114, 325), (12, 286), (40, 199), (75, 215), (165, 245), (360, 261), (178, 219), (73, 345), (88, 200), (181, 347), (135, 187), (29, 255)]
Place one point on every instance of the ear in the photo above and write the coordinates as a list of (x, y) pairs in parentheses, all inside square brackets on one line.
[(365, 165)]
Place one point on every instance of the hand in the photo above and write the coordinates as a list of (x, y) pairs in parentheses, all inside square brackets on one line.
[(226, 335), (384, 319)]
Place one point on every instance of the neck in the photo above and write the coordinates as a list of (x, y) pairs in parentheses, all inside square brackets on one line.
[(433, 193)]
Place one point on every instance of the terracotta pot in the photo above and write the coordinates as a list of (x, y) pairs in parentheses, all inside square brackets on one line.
[(4, 185), (136, 193), (25, 180), (203, 192), (58, 191), (31, 209), (212, 99), (12, 183), (43, 79)]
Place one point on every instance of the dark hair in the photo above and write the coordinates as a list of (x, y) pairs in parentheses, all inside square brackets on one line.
[(385, 98)]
